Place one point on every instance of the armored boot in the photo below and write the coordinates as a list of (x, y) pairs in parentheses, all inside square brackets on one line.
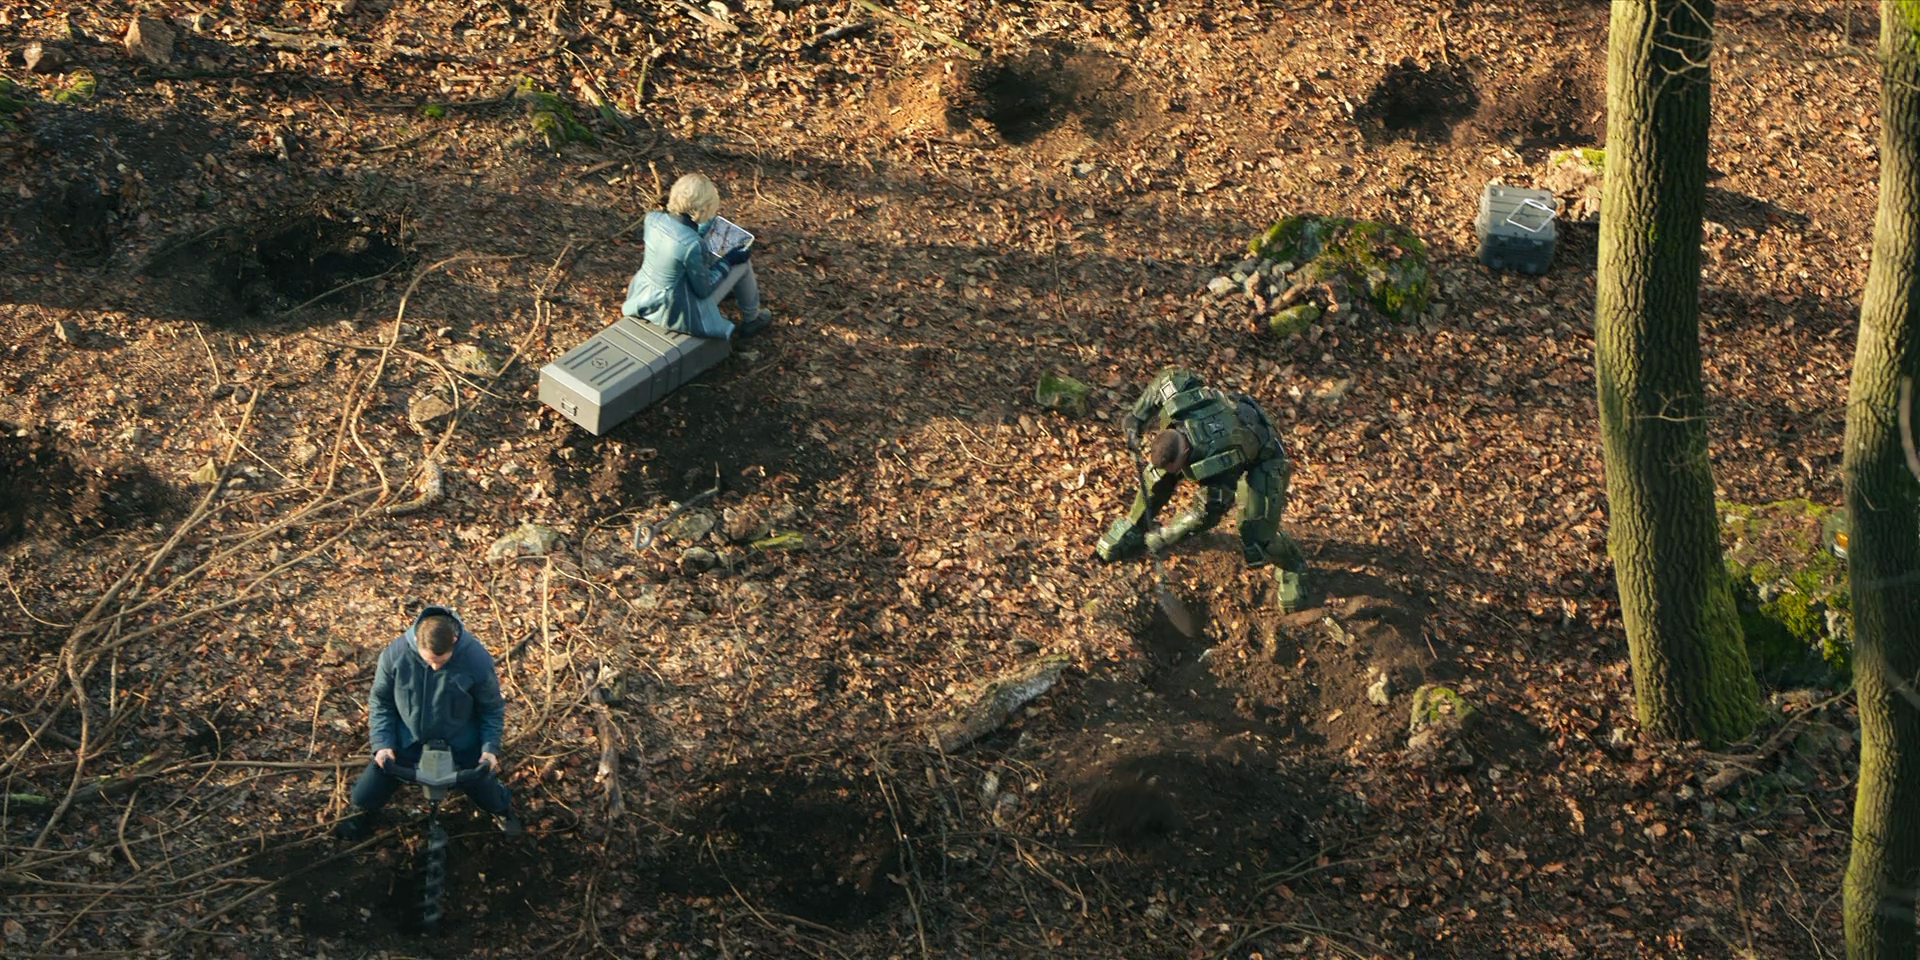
[(1290, 573), (1292, 594)]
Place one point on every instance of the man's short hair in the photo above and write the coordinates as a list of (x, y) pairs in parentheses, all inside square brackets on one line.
[(437, 634), (695, 196), (1169, 450)]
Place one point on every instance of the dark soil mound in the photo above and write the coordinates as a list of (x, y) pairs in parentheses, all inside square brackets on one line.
[(48, 487), (808, 841)]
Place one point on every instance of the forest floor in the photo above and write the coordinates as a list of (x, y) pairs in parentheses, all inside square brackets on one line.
[(235, 279)]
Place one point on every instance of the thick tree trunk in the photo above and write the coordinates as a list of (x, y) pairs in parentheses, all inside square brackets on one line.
[(1690, 670), (1883, 503)]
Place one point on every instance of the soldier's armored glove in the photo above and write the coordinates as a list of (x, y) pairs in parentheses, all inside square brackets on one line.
[(1122, 541)]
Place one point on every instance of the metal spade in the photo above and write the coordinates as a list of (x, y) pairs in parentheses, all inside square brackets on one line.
[(1175, 608)]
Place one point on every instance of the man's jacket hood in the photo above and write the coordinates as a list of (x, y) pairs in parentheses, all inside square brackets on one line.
[(411, 702)]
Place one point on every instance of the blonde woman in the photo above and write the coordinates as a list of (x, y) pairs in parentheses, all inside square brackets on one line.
[(680, 282)]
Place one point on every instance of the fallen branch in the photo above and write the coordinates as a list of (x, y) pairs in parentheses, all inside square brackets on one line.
[(281, 40), (433, 489), (841, 32), (609, 731), (989, 710), (921, 29), (712, 22), (146, 768), (1734, 769)]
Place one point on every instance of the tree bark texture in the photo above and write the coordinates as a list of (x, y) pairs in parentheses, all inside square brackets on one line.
[(1883, 504), (1691, 675)]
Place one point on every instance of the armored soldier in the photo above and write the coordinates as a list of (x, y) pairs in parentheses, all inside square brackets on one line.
[(1224, 442)]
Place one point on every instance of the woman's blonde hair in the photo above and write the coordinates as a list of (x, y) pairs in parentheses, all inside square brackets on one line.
[(695, 196)]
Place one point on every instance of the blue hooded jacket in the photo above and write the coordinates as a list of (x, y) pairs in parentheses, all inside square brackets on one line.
[(411, 702), (676, 278)]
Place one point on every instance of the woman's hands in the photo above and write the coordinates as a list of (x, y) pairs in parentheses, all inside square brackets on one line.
[(738, 256)]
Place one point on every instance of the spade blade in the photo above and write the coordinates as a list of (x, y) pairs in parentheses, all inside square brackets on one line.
[(1176, 610)]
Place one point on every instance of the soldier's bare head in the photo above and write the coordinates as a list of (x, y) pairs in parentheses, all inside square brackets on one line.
[(695, 197), (1169, 451), (434, 638)]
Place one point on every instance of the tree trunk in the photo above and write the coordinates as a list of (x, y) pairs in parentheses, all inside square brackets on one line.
[(1690, 670), (1884, 519)]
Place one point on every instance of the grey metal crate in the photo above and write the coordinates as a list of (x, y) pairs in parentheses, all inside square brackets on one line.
[(1516, 228), (622, 370)]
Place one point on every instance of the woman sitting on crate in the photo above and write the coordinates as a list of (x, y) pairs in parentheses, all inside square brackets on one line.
[(683, 278)]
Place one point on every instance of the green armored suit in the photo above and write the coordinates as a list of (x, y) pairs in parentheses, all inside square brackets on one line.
[(1224, 442)]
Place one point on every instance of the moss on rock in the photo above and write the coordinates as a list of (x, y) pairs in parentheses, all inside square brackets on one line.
[(1589, 157), (1435, 706), (552, 120), (1792, 591), (1386, 261), (79, 87), (1062, 393)]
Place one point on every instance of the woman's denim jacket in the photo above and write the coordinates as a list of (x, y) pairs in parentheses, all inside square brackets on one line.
[(674, 284)]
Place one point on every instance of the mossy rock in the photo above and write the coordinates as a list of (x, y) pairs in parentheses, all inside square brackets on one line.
[(1589, 157), (552, 120), (1386, 261), (1061, 393), (11, 100), (80, 87), (1438, 707), (1791, 590), (1293, 320)]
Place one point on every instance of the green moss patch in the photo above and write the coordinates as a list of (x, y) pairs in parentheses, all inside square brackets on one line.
[(1588, 157), (79, 87), (1062, 393), (552, 120), (11, 97), (1791, 590), (1435, 706), (1386, 261)]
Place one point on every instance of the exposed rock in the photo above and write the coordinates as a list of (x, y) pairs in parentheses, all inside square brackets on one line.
[(468, 358), (692, 525), (1293, 320), (1438, 720), (1820, 739), (530, 540), (208, 473), (1576, 176), (1387, 262), (698, 560), (1333, 391), (41, 58), (742, 526), (151, 40), (1380, 691), (427, 407), (991, 704), (67, 332)]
